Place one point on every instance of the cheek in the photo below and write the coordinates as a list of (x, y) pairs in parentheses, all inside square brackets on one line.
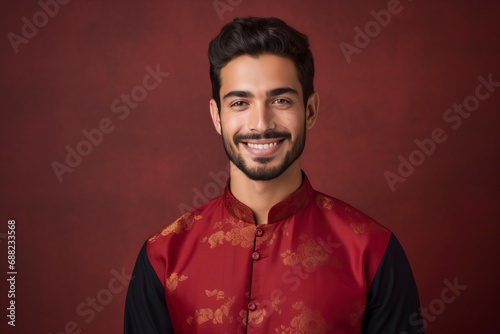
[(294, 124), (232, 125)]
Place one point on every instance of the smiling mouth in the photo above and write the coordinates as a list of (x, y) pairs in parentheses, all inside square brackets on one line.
[(263, 146)]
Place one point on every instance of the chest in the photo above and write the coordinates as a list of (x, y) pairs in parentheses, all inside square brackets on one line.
[(239, 278)]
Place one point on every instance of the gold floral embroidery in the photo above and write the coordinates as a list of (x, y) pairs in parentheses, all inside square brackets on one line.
[(307, 321), (285, 229), (182, 224), (204, 315), (257, 316), (216, 238), (242, 236), (324, 202), (172, 282), (237, 233), (254, 318), (364, 228), (275, 304), (309, 253), (216, 316), (215, 292)]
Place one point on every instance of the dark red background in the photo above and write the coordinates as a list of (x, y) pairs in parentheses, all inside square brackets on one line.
[(71, 235)]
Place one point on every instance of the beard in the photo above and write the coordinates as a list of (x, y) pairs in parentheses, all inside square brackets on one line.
[(264, 172)]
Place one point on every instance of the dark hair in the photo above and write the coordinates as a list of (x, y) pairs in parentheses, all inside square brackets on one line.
[(255, 36)]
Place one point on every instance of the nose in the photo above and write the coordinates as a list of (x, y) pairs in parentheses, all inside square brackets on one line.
[(260, 118)]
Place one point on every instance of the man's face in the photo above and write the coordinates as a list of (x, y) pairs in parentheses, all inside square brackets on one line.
[(262, 118)]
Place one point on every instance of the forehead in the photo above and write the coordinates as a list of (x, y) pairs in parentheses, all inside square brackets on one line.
[(260, 73)]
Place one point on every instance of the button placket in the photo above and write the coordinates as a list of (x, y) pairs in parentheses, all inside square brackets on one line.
[(259, 232)]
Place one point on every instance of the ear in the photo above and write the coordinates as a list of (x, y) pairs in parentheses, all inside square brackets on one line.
[(214, 112), (312, 110)]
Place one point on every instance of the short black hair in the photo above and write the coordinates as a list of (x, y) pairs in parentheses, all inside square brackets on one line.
[(255, 36)]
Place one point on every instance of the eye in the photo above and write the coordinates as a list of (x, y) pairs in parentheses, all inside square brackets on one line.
[(238, 104), (281, 101)]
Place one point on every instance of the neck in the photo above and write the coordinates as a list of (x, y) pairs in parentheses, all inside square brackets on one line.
[(261, 196)]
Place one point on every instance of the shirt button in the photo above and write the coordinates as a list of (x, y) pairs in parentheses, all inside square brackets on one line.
[(259, 232), (255, 255), (252, 306)]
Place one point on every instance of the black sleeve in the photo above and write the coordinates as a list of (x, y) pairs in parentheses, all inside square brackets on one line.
[(393, 305), (145, 307)]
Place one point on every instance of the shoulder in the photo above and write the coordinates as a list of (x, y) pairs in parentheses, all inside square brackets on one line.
[(341, 215), (182, 224), (362, 239), (180, 227), (164, 244)]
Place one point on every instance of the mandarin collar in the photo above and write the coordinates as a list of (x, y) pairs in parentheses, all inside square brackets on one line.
[(296, 201)]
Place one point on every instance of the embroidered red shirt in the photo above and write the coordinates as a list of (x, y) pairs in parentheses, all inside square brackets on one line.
[(309, 270)]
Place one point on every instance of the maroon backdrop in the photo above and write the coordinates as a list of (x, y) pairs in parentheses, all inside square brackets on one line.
[(90, 78)]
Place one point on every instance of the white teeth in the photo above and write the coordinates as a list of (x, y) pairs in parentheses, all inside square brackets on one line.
[(262, 146)]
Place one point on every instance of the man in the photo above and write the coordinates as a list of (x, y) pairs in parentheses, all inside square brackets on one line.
[(271, 255)]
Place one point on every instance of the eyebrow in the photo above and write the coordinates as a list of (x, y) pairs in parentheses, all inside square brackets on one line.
[(281, 91), (272, 92)]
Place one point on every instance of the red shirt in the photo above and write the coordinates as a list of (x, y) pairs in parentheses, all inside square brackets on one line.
[(309, 270)]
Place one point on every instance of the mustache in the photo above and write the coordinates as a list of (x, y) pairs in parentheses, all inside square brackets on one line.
[(269, 134)]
